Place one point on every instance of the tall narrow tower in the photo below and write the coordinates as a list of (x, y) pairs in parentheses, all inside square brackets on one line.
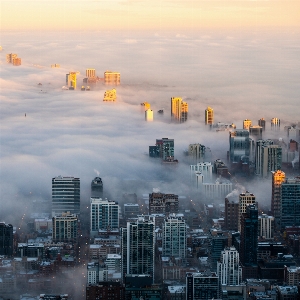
[(278, 178), (179, 110), (244, 200), (209, 116)]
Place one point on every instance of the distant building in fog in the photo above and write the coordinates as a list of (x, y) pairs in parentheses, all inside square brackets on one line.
[(149, 115), (164, 148), (97, 187), (209, 116), (196, 152), (65, 227), (262, 123), (90, 73), (179, 110), (246, 124), (6, 239), (275, 123), (160, 203), (256, 132), (111, 78)]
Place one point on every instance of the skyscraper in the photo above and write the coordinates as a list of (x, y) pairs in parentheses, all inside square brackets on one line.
[(6, 239), (104, 215), (138, 245), (110, 95), (90, 73), (149, 115), (111, 78), (255, 132), (231, 215), (65, 195), (179, 110), (97, 188), (278, 177), (196, 152), (65, 227), (209, 116), (164, 148), (244, 200), (71, 80), (229, 270), (239, 143), (174, 237), (275, 123), (262, 123), (246, 124), (268, 157)]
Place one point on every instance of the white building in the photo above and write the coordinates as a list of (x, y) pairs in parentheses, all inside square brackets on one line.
[(218, 190), (104, 215), (229, 270), (205, 168), (174, 237), (266, 226), (149, 115)]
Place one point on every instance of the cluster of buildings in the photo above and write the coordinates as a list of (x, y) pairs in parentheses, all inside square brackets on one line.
[(13, 59)]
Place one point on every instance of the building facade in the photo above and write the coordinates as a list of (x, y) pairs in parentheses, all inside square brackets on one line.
[(239, 145), (149, 115), (244, 200), (112, 78), (65, 228), (179, 110), (209, 116), (160, 203), (6, 239), (196, 152), (164, 148)]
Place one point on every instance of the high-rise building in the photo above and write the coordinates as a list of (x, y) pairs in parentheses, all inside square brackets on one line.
[(218, 241), (202, 286), (164, 148), (10, 57), (231, 215), (244, 200), (209, 116), (268, 157), (266, 226), (249, 236), (6, 239), (255, 132), (174, 237), (110, 95), (138, 246), (278, 177), (290, 202), (196, 152), (17, 61), (104, 215), (111, 78), (229, 270), (179, 110), (239, 143), (71, 80), (262, 123), (55, 66), (246, 124), (205, 168), (90, 73), (97, 188), (65, 227), (65, 195), (149, 115), (160, 203), (275, 123)]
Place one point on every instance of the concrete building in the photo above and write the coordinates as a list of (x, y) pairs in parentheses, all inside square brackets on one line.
[(196, 152), (255, 132), (90, 73), (111, 78), (6, 239), (209, 116), (110, 95), (287, 292), (278, 177), (239, 143), (202, 286), (164, 148), (65, 228), (262, 123), (292, 275), (174, 237), (244, 200), (246, 124), (149, 115), (217, 190), (179, 110), (231, 215), (205, 168), (138, 245), (268, 157), (65, 195), (97, 188), (160, 203), (131, 210), (104, 215), (266, 226), (228, 268)]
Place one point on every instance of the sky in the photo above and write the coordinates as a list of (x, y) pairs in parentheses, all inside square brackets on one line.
[(239, 57)]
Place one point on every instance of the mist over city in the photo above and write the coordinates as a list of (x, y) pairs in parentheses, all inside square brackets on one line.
[(52, 130)]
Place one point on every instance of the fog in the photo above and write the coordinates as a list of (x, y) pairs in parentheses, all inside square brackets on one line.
[(70, 133)]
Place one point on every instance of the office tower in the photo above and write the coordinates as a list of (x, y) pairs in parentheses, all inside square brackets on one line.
[(249, 234), (160, 203), (205, 168), (202, 286), (278, 177), (65, 227), (231, 215), (17, 61), (174, 237), (244, 200), (10, 57), (111, 78), (266, 226), (104, 215), (209, 116), (71, 80), (179, 110), (229, 270), (90, 73), (97, 188), (6, 239), (218, 241), (149, 115), (268, 157), (262, 123), (246, 124), (221, 169), (275, 123), (255, 132), (110, 95), (138, 246), (239, 143), (164, 148), (65, 195), (290, 202), (196, 152)]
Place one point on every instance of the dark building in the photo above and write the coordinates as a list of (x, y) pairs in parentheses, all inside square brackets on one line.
[(97, 188), (164, 148), (262, 123), (249, 241), (221, 169), (30, 250), (139, 286), (105, 290), (218, 243), (6, 239), (160, 203), (231, 215)]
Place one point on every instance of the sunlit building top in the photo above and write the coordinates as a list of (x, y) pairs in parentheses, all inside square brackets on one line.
[(110, 95), (111, 78)]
